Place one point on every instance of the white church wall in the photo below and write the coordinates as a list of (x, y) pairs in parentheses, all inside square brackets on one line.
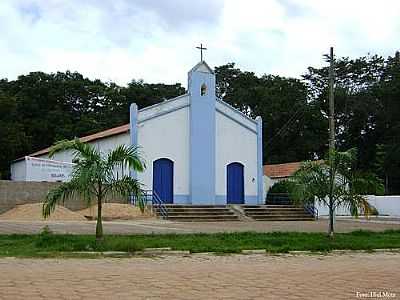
[(167, 136), (108, 144), (163, 107), (105, 145), (18, 170), (235, 143), (63, 156)]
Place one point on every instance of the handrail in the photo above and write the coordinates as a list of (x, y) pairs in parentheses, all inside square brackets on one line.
[(156, 202), (311, 209)]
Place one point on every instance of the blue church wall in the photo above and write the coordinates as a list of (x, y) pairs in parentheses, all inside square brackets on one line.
[(201, 86), (260, 171), (133, 128)]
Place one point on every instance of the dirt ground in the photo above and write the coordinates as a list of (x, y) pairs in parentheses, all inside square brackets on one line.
[(33, 212), (111, 211)]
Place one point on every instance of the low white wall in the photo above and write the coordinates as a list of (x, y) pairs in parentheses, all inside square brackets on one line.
[(269, 182), (386, 205)]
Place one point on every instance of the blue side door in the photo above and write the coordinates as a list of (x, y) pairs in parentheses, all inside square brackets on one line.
[(163, 179), (235, 183)]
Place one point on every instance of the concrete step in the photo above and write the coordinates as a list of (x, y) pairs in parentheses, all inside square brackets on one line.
[(277, 213), (250, 210), (202, 213), (283, 218), (204, 218), (268, 206), (199, 213), (197, 210), (194, 206)]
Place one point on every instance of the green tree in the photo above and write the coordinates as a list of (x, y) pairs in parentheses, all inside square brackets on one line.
[(94, 177), (367, 110), (39, 108), (312, 183), (290, 120), (13, 140)]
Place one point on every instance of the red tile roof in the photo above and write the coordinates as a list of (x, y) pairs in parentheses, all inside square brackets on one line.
[(92, 137), (283, 170)]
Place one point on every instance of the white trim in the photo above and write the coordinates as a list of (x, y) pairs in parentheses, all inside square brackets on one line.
[(161, 103), (236, 116), (236, 110)]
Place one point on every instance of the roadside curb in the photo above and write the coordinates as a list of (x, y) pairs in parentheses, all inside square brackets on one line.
[(150, 252)]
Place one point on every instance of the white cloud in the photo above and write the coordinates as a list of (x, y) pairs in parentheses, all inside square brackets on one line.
[(154, 40)]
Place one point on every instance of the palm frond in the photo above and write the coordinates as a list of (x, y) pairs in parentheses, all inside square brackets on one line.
[(125, 186), (80, 150), (126, 156), (61, 193)]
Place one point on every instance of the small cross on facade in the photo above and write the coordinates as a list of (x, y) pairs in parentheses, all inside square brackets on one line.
[(201, 48)]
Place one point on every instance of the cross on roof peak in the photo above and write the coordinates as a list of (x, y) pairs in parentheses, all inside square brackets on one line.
[(201, 48)]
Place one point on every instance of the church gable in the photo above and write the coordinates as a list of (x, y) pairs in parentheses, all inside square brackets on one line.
[(202, 67), (163, 108), (236, 116)]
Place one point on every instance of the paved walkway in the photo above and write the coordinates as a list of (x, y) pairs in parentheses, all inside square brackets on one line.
[(202, 277), (161, 226)]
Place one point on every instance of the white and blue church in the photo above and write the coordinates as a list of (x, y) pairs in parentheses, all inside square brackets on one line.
[(198, 149)]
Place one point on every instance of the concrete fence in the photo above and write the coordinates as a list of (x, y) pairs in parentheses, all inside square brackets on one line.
[(385, 205), (13, 193)]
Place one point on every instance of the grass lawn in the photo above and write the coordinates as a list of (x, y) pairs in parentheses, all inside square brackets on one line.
[(47, 244)]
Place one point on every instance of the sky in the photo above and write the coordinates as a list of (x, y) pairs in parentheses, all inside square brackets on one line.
[(155, 40)]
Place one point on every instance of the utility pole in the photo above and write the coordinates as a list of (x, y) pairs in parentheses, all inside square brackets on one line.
[(331, 139)]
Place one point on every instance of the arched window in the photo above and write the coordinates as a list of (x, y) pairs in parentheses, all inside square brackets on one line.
[(203, 89)]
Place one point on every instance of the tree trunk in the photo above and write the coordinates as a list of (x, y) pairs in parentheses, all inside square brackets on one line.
[(99, 225), (331, 220)]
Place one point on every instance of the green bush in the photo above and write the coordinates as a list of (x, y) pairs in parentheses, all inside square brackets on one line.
[(281, 187)]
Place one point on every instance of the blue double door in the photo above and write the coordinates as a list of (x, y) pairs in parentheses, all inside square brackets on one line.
[(235, 183), (163, 179)]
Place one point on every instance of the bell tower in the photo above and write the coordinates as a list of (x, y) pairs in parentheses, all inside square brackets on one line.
[(201, 88)]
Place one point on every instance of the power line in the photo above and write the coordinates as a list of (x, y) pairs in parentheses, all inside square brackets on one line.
[(285, 128)]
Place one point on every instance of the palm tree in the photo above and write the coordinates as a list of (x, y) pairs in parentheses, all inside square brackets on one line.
[(312, 183), (94, 176)]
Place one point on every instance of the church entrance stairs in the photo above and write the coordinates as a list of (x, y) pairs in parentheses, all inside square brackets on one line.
[(211, 213), (277, 213), (199, 213)]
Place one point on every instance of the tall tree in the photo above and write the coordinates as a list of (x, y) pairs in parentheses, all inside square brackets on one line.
[(38, 109), (367, 112), (290, 120)]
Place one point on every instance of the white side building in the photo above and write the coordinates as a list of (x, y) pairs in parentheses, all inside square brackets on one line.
[(197, 148)]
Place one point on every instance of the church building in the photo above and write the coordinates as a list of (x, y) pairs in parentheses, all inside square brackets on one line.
[(198, 149)]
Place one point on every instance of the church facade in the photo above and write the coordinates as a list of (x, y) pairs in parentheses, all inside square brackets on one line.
[(198, 149)]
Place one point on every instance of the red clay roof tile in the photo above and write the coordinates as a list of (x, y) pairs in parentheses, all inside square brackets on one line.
[(92, 137)]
